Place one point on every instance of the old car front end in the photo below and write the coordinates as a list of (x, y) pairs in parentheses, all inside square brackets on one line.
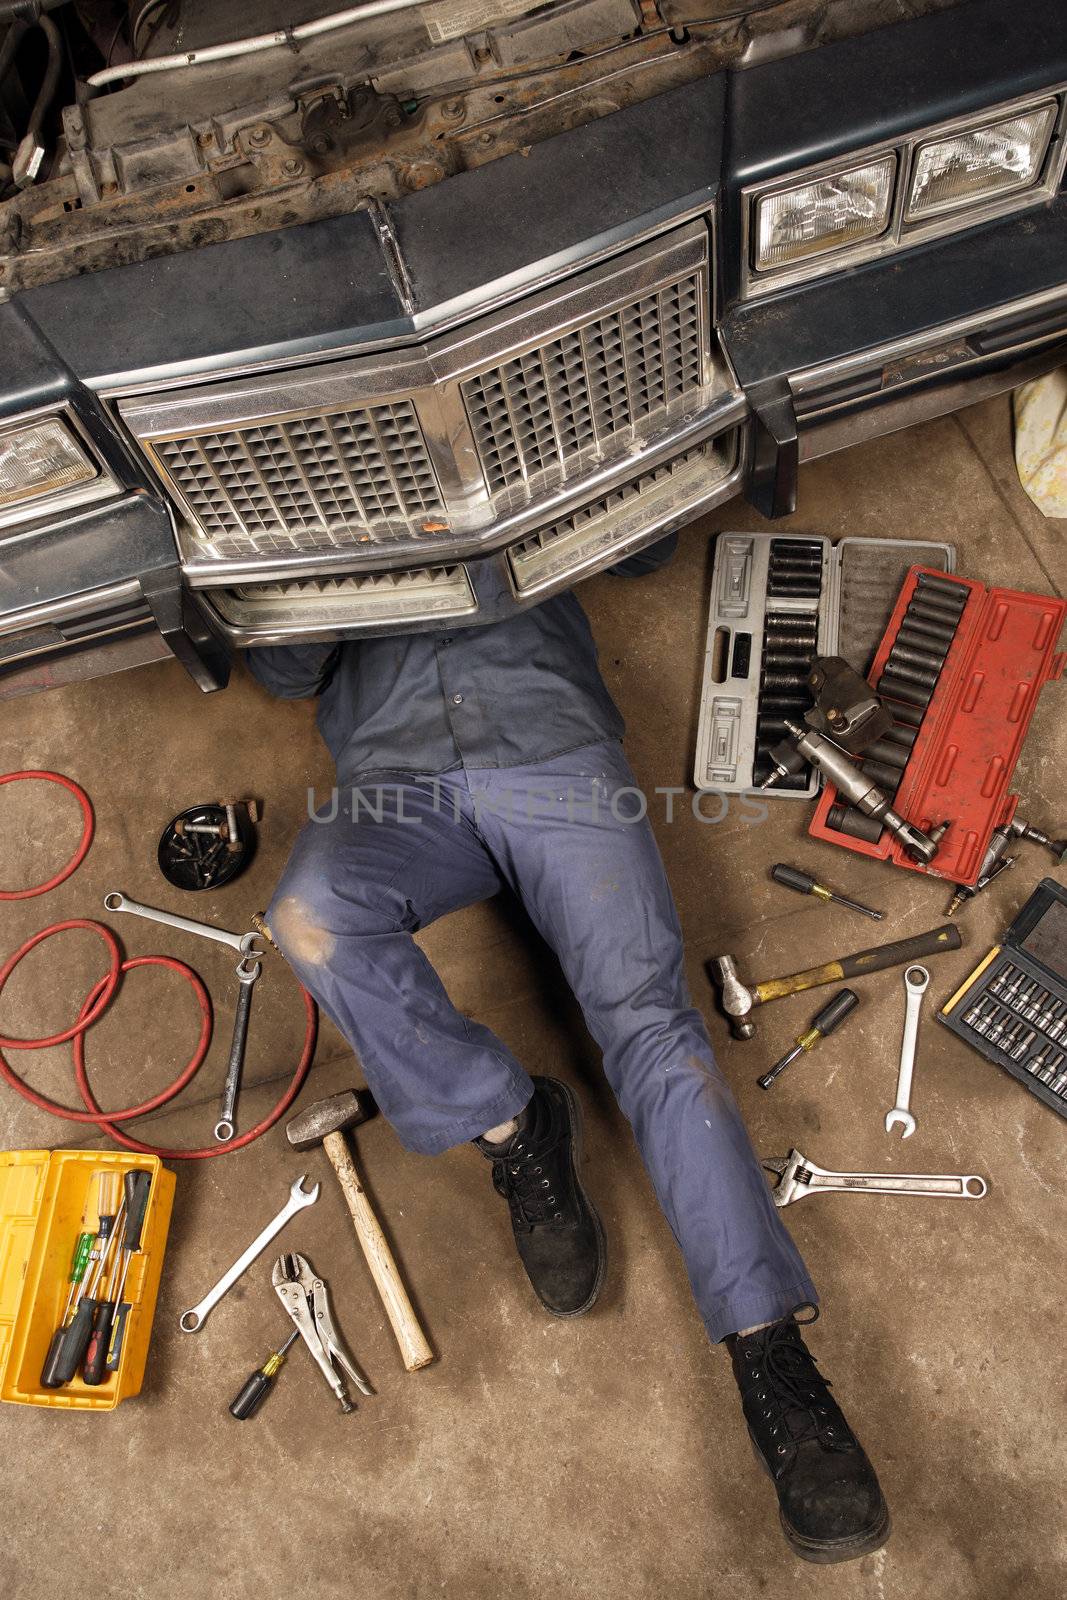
[(420, 322)]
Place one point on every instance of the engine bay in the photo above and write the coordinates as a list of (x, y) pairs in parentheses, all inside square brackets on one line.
[(130, 131)]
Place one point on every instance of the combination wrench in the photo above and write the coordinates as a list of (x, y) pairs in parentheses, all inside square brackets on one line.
[(192, 1321), (797, 1177), (248, 970), (916, 980), (243, 943)]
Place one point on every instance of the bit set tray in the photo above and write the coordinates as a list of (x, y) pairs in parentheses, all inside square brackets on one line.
[(777, 600), (960, 668), (1013, 1007)]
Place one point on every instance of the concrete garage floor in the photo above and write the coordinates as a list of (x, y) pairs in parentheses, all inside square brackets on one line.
[(605, 1456)]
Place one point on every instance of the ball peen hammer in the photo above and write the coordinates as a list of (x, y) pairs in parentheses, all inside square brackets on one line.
[(325, 1123), (740, 999)]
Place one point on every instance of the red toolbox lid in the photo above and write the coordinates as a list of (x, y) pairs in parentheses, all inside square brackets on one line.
[(962, 762)]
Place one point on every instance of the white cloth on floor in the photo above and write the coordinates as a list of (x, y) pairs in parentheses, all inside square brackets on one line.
[(1041, 441)]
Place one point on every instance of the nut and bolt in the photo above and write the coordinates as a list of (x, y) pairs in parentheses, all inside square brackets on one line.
[(259, 137), (292, 168)]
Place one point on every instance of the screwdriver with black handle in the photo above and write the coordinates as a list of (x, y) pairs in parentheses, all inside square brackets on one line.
[(830, 1017), (259, 1384), (69, 1350), (804, 883), (136, 1185), (82, 1251)]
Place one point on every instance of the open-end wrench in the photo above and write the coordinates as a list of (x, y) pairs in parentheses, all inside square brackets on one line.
[(915, 982), (248, 970), (192, 1321), (797, 1176), (245, 943)]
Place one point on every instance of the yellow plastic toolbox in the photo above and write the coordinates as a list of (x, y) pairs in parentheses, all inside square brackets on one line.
[(46, 1200)]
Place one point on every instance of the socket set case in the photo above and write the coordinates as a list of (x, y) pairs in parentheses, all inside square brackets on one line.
[(961, 674), (1013, 1007), (777, 600), (43, 1197)]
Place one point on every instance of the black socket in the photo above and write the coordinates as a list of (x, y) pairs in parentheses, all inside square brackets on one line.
[(887, 778), (903, 669), (947, 586), (888, 753), (895, 688), (902, 651), (938, 633), (847, 820)]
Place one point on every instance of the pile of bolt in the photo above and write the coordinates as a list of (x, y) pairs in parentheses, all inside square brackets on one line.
[(906, 685), (88, 1339), (1026, 1022), (789, 642)]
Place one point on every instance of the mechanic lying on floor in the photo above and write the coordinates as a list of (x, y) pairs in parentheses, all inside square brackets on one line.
[(487, 756)]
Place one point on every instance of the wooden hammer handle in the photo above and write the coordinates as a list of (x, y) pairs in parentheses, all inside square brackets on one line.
[(414, 1349)]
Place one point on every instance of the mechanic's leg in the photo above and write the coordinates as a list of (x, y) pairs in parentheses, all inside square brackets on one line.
[(596, 888), (343, 915)]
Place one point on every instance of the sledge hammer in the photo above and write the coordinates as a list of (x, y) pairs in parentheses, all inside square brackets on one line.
[(325, 1123)]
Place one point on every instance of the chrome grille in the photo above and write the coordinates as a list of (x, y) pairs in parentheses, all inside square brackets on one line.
[(539, 411), (306, 483), (372, 599)]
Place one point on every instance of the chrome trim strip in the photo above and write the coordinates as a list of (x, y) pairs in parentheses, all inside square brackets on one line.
[(900, 234), (808, 378), (78, 605)]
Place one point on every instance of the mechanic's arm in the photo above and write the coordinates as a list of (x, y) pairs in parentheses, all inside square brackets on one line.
[(292, 671)]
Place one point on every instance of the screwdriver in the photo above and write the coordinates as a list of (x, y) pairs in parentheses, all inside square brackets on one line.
[(830, 1017), (260, 1383), (804, 883), (137, 1184), (82, 1251), (66, 1359)]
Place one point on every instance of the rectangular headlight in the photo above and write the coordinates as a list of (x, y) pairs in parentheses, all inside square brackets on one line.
[(41, 458), (980, 163), (841, 209)]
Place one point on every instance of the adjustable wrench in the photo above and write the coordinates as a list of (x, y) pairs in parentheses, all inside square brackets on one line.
[(192, 1321), (916, 980), (245, 943), (248, 970), (797, 1176)]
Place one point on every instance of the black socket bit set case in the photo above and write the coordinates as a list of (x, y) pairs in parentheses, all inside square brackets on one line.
[(776, 601), (1012, 1009)]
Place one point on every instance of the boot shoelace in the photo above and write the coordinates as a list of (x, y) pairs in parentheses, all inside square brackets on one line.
[(521, 1178), (788, 1380)]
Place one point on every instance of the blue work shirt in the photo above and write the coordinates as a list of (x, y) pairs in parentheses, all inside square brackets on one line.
[(509, 694)]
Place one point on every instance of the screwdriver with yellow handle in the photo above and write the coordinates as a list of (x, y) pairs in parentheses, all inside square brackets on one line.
[(804, 883), (830, 1017), (259, 1384)]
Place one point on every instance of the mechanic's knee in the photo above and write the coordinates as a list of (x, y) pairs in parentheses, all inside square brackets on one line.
[(301, 939)]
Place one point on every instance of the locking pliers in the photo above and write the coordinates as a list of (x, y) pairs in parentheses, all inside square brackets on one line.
[(306, 1298)]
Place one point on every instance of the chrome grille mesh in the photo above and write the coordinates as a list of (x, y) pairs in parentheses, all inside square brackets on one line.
[(538, 411), (308, 483)]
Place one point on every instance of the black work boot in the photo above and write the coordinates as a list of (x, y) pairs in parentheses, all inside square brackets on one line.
[(829, 1500), (559, 1236)]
